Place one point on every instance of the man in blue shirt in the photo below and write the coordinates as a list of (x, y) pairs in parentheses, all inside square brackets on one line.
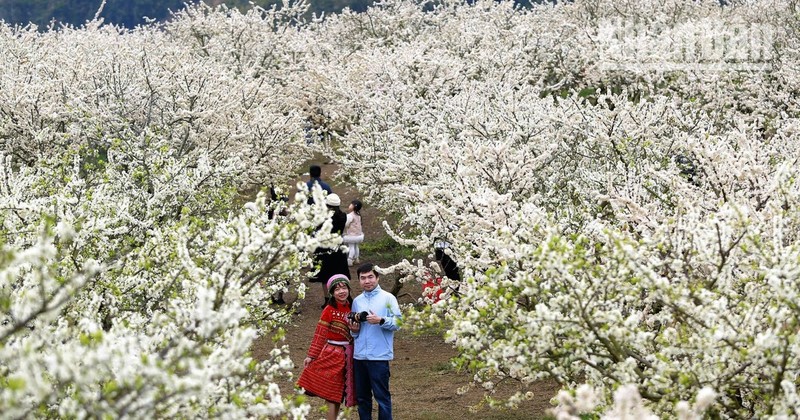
[(315, 172), (374, 344)]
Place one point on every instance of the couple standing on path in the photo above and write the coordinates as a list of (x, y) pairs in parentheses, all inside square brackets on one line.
[(348, 359)]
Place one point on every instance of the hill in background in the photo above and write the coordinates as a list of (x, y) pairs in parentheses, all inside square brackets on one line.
[(130, 13)]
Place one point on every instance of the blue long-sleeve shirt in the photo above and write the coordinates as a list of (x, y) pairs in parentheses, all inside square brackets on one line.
[(373, 341), (322, 184)]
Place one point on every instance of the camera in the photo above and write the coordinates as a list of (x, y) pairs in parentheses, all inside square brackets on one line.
[(357, 316)]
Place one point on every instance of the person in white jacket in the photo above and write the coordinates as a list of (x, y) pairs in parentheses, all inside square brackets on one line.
[(353, 232)]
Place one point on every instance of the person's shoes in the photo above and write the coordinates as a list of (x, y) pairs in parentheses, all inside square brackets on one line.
[(349, 262)]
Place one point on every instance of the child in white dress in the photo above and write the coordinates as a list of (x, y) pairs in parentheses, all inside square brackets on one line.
[(353, 232)]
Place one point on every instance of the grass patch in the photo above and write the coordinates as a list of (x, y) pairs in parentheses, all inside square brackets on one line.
[(384, 248), (442, 367)]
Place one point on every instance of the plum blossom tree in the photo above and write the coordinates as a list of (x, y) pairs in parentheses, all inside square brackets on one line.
[(619, 224), (617, 181), (134, 278)]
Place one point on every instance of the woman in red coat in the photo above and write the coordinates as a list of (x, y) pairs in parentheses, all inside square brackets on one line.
[(327, 371)]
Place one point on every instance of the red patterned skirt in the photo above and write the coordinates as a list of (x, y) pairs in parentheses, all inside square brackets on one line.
[(327, 375)]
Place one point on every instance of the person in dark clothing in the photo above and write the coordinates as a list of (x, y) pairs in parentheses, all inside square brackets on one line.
[(449, 266), (332, 261), (274, 197), (315, 172)]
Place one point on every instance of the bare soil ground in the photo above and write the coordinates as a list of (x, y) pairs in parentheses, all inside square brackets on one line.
[(424, 386)]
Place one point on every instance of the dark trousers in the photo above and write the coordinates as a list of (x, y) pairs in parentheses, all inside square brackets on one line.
[(372, 379)]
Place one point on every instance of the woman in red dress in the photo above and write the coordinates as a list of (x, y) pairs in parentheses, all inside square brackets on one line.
[(327, 371)]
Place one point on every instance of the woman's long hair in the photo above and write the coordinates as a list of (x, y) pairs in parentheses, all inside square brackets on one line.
[(357, 204)]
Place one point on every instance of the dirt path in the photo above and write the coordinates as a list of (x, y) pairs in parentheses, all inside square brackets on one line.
[(423, 384)]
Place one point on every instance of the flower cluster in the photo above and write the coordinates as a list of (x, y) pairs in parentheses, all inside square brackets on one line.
[(622, 225), (616, 180), (134, 277)]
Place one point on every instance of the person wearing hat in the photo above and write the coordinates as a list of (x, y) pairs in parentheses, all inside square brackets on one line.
[(328, 368), (332, 261)]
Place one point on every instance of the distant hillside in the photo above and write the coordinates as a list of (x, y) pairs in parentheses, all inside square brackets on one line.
[(130, 13)]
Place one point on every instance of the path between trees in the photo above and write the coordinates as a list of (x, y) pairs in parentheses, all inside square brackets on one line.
[(423, 384)]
